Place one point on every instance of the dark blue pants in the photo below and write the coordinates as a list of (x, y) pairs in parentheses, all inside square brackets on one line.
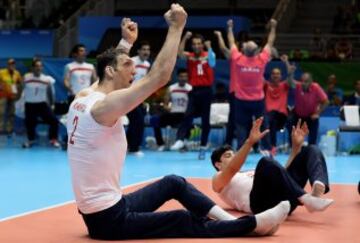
[(273, 183), (199, 105), (135, 131), (172, 119), (34, 111), (313, 126), (230, 126), (277, 121), (133, 217), (245, 112)]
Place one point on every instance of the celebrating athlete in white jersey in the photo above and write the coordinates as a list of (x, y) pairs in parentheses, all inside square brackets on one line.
[(97, 149)]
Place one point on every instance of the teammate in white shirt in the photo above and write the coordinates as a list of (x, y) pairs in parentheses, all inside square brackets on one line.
[(78, 74), (270, 183), (39, 95), (135, 131), (175, 103), (97, 149)]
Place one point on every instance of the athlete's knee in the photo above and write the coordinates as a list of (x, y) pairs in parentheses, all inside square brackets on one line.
[(175, 180), (269, 165)]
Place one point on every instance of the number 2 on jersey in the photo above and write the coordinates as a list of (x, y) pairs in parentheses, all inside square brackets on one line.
[(75, 123)]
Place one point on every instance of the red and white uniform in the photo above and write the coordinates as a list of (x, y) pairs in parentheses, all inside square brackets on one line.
[(199, 70), (80, 75), (96, 156), (141, 67), (36, 88), (179, 97)]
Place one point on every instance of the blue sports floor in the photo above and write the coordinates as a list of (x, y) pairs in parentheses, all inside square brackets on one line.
[(35, 178)]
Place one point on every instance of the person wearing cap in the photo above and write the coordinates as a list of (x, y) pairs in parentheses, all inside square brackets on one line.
[(10, 91)]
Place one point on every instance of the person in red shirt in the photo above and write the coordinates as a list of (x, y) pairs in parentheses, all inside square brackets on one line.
[(276, 100), (310, 101), (247, 69), (200, 64)]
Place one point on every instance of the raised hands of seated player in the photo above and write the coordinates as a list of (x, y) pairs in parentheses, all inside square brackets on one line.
[(255, 134), (298, 134), (129, 30)]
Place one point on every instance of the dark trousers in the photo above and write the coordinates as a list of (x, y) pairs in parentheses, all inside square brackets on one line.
[(245, 112), (313, 126), (163, 120), (273, 183), (133, 217), (135, 130), (230, 126), (277, 121), (34, 111), (199, 105)]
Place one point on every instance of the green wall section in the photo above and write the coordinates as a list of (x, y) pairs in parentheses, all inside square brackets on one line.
[(346, 73)]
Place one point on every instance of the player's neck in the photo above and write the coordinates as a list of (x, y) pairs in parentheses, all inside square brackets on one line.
[(105, 87)]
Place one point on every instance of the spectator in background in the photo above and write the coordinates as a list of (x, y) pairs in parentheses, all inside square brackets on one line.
[(78, 74), (175, 104), (135, 131), (310, 102), (200, 64), (317, 45), (335, 94), (354, 98), (343, 49), (39, 94), (276, 100), (339, 20), (248, 73), (10, 91)]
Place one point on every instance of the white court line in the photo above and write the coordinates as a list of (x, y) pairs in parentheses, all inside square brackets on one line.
[(125, 187), (68, 202)]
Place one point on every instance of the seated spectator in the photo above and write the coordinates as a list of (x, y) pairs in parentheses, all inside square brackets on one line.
[(335, 94), (339, 20), (175, 104), (343, 49), (39, 94), (354, 98), (298, 54), (317, 45)]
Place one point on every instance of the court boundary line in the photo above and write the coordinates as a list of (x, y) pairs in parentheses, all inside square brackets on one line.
[(125, 187), (67, 202)]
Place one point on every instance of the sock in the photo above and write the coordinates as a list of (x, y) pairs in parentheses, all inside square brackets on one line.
[(318, 189), (313, 204), (220, 214), (268, 221)]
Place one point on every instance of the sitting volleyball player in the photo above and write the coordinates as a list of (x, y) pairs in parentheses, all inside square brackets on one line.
[(97, 150), (271, 183)]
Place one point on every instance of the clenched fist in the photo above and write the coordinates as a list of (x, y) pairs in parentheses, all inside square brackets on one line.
[(129, 30), (176, 16)]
